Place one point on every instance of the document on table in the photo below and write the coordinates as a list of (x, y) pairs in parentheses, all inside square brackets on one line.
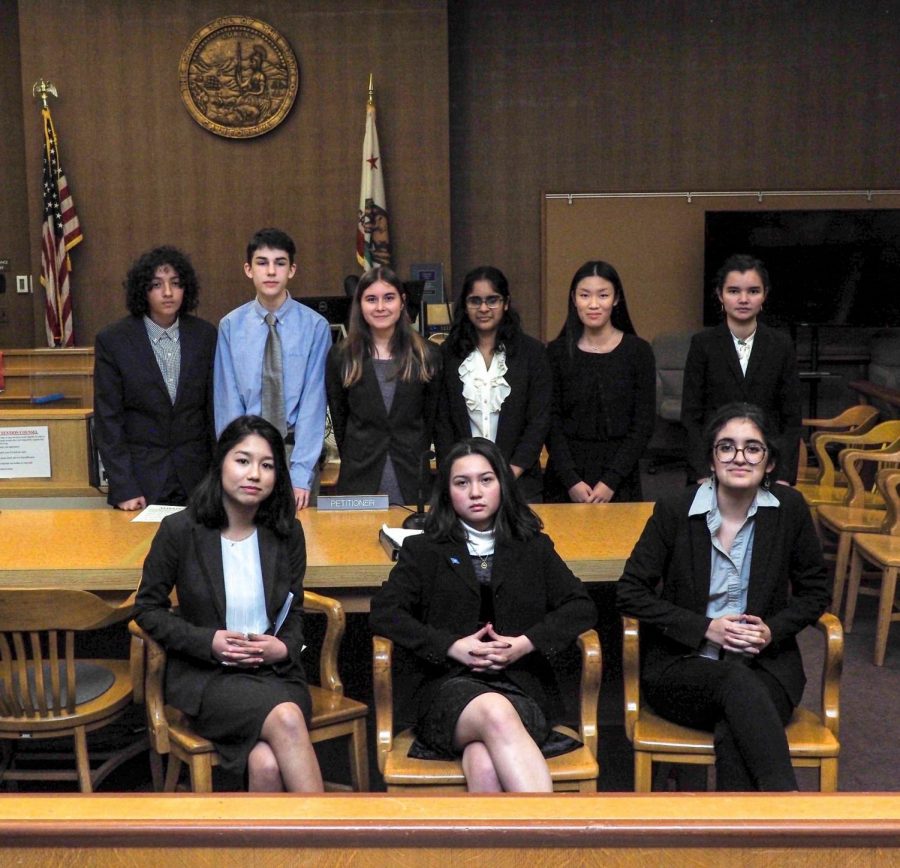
[(156, 512)]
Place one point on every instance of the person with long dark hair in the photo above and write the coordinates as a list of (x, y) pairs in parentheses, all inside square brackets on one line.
[(483, 602), (722, 579), (604, 389), (382, 385), (153, 383), (496, 380), (236, 558), (743, 359)]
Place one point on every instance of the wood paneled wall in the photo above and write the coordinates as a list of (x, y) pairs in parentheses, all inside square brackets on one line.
[(144, 173), (637, 95)]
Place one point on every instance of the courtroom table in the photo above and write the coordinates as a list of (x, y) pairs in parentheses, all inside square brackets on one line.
[(104, 550)]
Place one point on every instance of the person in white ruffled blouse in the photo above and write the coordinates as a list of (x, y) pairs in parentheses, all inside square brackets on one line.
[(496, 380)]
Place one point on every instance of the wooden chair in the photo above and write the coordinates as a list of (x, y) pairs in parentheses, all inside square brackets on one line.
[(812, 737), (46, 692), (884, 436), (575, 771), (854, 420), (861, 512), (333, 715), (882, 551)]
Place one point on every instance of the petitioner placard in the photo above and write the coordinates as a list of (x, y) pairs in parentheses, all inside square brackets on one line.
[(351, 502)]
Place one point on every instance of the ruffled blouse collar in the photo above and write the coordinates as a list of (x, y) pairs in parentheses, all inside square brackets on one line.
[(484, 388)]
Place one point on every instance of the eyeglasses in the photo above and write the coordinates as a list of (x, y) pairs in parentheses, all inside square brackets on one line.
[(475, 301), (753, 452)]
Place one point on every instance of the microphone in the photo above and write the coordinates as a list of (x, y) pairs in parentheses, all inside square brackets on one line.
[(416, 521)]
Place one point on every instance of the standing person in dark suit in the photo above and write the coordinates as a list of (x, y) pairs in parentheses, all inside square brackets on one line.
[(496, 380), (382, 384), (604, 392), (743, 360), (483, 602), (153, 417), (722, 579), (236, 558)]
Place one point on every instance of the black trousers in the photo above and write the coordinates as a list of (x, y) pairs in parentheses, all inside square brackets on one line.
[(744, 707)]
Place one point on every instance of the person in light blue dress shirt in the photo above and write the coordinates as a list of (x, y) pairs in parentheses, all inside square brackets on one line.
[(305, 340)]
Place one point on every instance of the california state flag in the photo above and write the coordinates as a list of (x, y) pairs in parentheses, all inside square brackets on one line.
[(373, 240)]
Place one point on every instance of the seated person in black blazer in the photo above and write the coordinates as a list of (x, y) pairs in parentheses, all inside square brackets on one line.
[(382, 384), (722, 579), (153, 419), (236, 558), (483, 602), (496, 380), (743, 360)]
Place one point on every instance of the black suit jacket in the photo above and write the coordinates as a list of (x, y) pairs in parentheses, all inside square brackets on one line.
[(142, 436), (666, 584), (713, 378), (524, 417), (187, 556), (432, 598), (366, 433)]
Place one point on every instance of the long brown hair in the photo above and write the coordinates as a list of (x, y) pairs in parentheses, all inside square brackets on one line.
[(408, 348)]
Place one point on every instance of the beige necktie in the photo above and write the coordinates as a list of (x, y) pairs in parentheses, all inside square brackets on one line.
[(272, 404)]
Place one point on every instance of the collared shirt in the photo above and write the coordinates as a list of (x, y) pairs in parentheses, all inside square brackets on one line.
[(237, 385), (729, 571), (166, 345), (484, 390), (743, 347)]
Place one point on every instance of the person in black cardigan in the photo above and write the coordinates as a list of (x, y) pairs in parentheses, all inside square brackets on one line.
[(496, 380), (382, 384), (483, 603), (714, 372), (604, 391), (155, 446), (722, 579), (236, 558)]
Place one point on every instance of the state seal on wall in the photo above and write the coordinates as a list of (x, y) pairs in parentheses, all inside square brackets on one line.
[(238, 77)]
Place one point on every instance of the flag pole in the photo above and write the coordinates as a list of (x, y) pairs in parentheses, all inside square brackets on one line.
[(40, 90), (371, 100)]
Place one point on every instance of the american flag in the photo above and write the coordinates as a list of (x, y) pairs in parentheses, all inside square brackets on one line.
[(60, 232)]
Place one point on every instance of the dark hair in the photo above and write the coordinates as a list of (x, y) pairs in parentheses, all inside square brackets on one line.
[(573, 327), (462, 338), (278, 511), (408, 348), (274, 239), (739, 410), (140, 277), (741, 262), (514, 518)]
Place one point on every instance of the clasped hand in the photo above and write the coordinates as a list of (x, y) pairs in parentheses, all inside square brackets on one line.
[(487, 650), (247, 650), (747, 634)]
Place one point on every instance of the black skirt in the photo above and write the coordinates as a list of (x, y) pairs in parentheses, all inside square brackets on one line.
[(235, 705)]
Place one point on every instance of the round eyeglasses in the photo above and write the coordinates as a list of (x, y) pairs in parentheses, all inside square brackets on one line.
[(753, 452), (475, 301)]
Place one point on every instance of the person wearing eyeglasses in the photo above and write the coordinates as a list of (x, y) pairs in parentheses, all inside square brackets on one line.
[(743, 359), (496, 380), (722, 579)]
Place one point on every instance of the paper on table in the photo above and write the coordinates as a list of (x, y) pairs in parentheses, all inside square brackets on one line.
[(156, 512), (398, 534)]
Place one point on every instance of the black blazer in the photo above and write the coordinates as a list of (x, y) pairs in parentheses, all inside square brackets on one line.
[(432, 598), (366, 433), (525, 414), (187, 557), (713, 378), (141, 435), (666, 584)]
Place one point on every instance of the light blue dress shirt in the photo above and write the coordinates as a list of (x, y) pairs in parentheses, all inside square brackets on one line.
[(729, 571), (237, 384)]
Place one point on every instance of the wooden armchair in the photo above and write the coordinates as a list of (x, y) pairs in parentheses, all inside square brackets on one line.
[(333, 715), (861, 512), (812, 736), (884, 436), (882, 550), (854, 420), (47, 692), (575, 771)]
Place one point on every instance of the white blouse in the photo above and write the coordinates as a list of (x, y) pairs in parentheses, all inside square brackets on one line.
[(484, 391), (245, 598)]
